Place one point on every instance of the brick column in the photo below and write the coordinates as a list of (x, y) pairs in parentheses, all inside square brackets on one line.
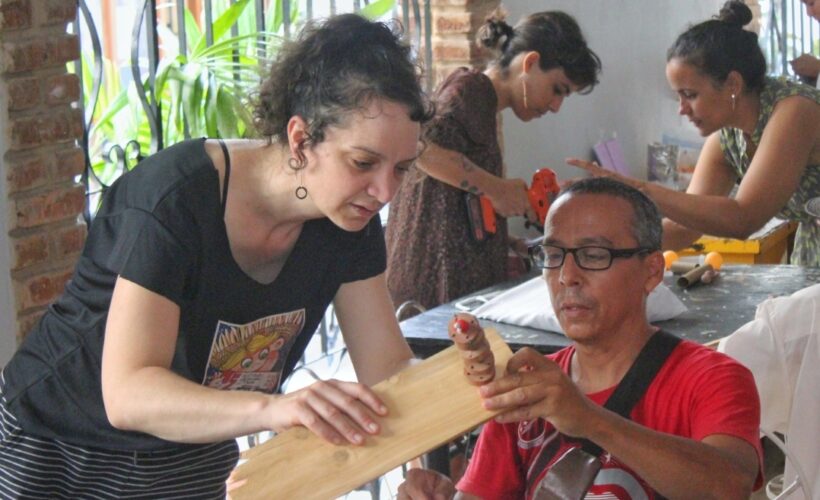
[(455, 23), (40, 123)]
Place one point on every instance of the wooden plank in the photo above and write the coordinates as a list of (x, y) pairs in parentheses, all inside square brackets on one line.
[(430, 404)]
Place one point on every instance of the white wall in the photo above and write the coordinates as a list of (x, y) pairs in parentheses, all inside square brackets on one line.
[(632, 100)]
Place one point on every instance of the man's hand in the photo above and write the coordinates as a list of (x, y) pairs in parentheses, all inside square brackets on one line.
[(424, 484), (534, 387)]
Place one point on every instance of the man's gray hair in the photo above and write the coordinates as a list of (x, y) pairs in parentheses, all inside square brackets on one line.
[(646, 219)]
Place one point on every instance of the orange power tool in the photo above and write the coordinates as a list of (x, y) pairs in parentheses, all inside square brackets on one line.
[(542, 192)]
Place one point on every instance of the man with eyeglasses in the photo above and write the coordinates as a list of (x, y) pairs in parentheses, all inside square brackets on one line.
[(693, 433)]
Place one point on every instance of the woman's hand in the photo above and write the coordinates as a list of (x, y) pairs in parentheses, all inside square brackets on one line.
[(231, 484), (424, 484), (509, 198), (598, 171), (806, 66), (338, 412)]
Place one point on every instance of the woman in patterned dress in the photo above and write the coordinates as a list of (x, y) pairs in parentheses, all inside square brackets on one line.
[(432, 257), (762, 134)]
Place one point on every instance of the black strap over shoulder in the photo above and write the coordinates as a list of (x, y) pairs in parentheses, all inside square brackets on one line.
[(633, 386), (227, 174), (629, 391), (642, 372)]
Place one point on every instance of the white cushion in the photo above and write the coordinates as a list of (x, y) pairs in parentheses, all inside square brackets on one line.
[(528, 304)]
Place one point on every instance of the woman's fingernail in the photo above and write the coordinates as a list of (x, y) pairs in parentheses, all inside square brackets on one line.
[(372, 427)]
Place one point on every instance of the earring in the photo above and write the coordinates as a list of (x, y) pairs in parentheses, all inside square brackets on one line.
[(301, 192), (524, 88), (734, 101), (298, 163)]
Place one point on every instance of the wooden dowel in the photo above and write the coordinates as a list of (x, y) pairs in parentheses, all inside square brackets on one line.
[(693, 276)]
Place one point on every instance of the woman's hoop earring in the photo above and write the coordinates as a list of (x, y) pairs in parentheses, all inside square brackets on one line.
[(734, 102), (296, 163)]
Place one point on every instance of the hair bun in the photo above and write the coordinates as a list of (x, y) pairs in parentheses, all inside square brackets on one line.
[(736, 13), (495, 33)]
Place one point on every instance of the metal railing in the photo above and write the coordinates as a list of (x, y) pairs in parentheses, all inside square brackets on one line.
[(106, 159), (786, 33)]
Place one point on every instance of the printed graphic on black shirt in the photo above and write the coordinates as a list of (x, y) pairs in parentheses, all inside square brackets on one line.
[(251, 356)]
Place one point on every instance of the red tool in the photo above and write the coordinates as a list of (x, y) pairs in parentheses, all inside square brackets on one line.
[(542, 192)]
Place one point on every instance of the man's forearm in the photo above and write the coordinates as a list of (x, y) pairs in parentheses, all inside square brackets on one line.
[(678, 467)]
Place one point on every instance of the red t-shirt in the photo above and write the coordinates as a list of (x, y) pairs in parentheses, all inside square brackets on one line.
[(697, 393)]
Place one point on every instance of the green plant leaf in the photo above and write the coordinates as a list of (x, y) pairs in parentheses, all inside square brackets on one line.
[(114, 107), (192, 31), (225, 117), (208, 88), (274, 16), (222, 24), (210, 109), (85, 73), (192, 92), (377, 9)]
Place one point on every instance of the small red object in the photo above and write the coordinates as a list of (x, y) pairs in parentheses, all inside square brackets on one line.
[(462, 325), (543, 191)]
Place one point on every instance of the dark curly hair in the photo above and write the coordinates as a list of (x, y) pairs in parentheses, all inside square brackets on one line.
[(719, 46), (334, 67), (555, 35)]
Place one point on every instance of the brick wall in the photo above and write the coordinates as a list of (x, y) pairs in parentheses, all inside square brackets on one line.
[(455, 23), (42, 123)]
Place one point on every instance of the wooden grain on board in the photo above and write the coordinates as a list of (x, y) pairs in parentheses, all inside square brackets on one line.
[(430, 403)]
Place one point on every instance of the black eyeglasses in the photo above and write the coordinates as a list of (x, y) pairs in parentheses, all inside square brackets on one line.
[(589, 258)]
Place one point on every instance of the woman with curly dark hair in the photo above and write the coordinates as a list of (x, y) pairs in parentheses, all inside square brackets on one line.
[(433, 256), (206, 272)]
